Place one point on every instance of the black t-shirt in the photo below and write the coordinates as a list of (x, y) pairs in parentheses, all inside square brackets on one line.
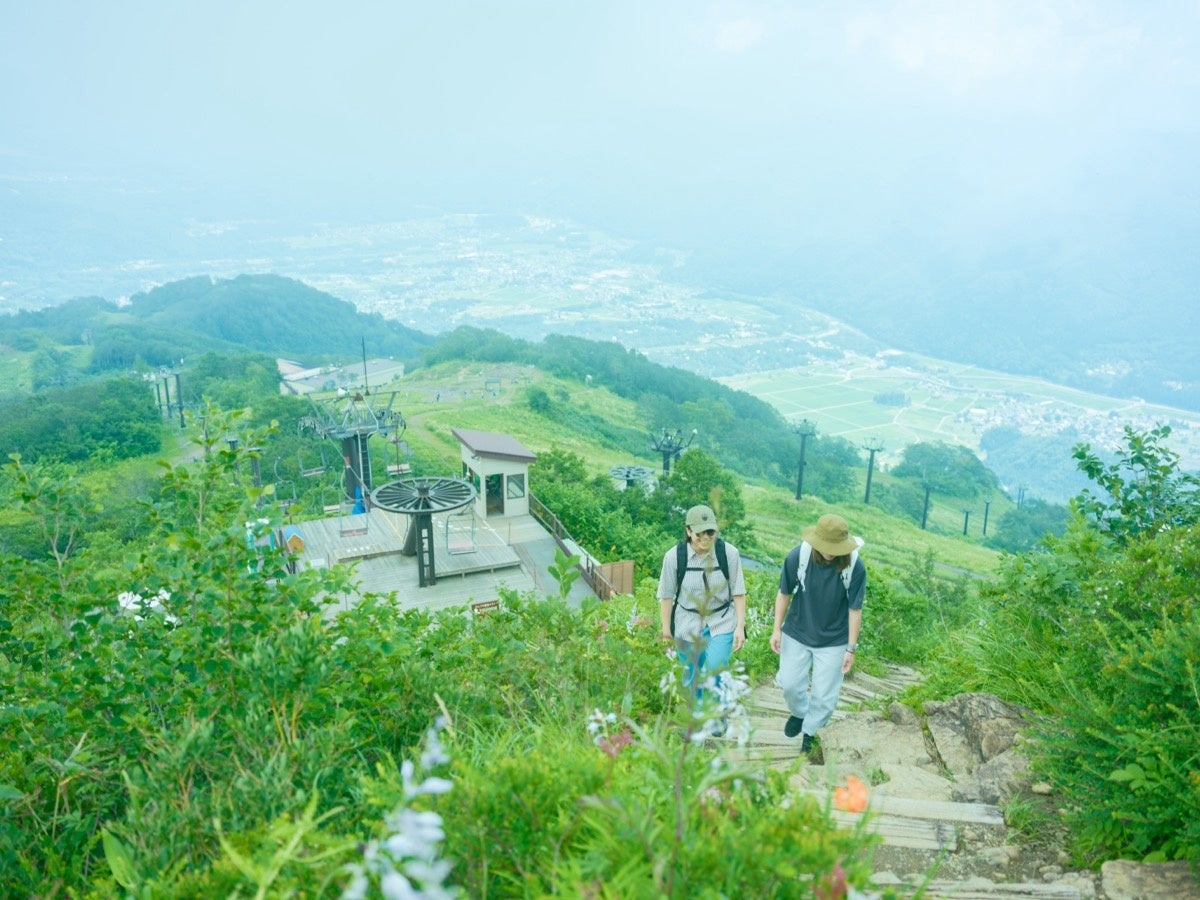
[(819, 615)]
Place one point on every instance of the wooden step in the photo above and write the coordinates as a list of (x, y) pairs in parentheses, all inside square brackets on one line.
[(917, 824), (978, 889)]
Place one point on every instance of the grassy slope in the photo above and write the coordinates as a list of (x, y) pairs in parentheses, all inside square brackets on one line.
[(493, 397), (777, 516)]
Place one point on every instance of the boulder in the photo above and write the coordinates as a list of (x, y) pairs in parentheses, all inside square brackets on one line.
[(1124, 879)]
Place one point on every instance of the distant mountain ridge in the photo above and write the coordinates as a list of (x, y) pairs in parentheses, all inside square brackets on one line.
[(261, 313)]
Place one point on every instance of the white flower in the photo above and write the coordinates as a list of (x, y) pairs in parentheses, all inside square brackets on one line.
[(395, 886), (435, 785), (357, 888), (434, 753), (596, 722), (405, 864), (427, 871)]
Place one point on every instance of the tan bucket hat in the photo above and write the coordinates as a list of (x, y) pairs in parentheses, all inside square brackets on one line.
[(831, 535)]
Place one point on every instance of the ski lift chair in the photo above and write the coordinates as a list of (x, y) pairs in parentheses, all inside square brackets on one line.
[(460, 530)]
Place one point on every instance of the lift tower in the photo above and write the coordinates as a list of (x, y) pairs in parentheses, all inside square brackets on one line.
[(351, 420)]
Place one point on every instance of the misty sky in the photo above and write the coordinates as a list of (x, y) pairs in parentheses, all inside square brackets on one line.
[(929, 125)]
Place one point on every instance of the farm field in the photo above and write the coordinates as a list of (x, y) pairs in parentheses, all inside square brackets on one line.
[(897, 399)]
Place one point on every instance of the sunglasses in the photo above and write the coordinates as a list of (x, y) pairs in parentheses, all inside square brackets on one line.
[(711, 532)]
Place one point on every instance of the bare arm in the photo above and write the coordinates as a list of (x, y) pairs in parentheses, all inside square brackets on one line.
[(739, 630), (664, 615), (781, 606), (855, 628)]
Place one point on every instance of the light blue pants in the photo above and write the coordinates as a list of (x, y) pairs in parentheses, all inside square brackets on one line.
[(811, 680), (715, 651)]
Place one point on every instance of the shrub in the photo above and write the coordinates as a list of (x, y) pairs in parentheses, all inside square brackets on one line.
[(1123, 744), (189, 724)]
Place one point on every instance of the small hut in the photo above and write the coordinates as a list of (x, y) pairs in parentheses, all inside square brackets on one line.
[(498, 465)]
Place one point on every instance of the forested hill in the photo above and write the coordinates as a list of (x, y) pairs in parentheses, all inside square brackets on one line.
[(263, 313)]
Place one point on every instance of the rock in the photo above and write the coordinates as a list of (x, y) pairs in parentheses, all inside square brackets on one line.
[(1001, 855), (902, 715), (974, 764), (1123, 879), (987, 724), (996, 781)]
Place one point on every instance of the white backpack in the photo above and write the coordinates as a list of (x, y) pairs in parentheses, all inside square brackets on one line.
[(806, 555)]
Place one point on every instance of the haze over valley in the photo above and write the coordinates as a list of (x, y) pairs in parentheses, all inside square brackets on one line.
[(910, 194)]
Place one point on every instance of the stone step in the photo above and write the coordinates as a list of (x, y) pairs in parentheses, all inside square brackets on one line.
[(923, 822)]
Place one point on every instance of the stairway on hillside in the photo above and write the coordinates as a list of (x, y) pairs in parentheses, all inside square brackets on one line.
[(911, 775)]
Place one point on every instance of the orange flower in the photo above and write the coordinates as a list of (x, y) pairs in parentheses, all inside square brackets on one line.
[(852, 797)]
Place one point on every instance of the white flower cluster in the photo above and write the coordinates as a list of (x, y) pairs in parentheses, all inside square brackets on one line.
[(406, 864), (134, 603), (721, 708), (598, 722)]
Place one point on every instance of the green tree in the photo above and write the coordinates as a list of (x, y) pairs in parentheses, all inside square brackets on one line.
[(538, 400), (948, 469), (1022, 528), (698, 478), (829, 465), (1142, 491)]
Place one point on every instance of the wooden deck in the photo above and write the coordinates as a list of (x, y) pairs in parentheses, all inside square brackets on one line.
[(472, 562)]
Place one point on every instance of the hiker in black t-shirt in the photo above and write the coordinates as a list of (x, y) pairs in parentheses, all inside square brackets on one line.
[(818, 615)]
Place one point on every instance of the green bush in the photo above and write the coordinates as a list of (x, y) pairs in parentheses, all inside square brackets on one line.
[(1026, 619), (516, 809), (918, 617), (1096, 630), (1123, 743), (187, 723), (673, 822)]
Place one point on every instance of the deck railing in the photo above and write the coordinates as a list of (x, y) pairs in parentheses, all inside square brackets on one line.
[(601, 586)]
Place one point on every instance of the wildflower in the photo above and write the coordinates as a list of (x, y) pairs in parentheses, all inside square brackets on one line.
[(613, 745), (712, 795), (852, 797), (634, 622), (832, 885), (430, 785), (434, 754), (598, 722), (415, 834), (406, 865)]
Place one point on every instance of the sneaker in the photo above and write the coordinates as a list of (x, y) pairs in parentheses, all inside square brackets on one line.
[(719, 727), (793, 725), (806, 744)]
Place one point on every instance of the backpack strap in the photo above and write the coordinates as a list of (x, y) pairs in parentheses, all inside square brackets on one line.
[(848, 572), (802, 566), (681, 565), (806, 555), (681, 568)]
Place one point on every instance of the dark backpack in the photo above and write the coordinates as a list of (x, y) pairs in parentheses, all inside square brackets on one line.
[(681, 569)]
